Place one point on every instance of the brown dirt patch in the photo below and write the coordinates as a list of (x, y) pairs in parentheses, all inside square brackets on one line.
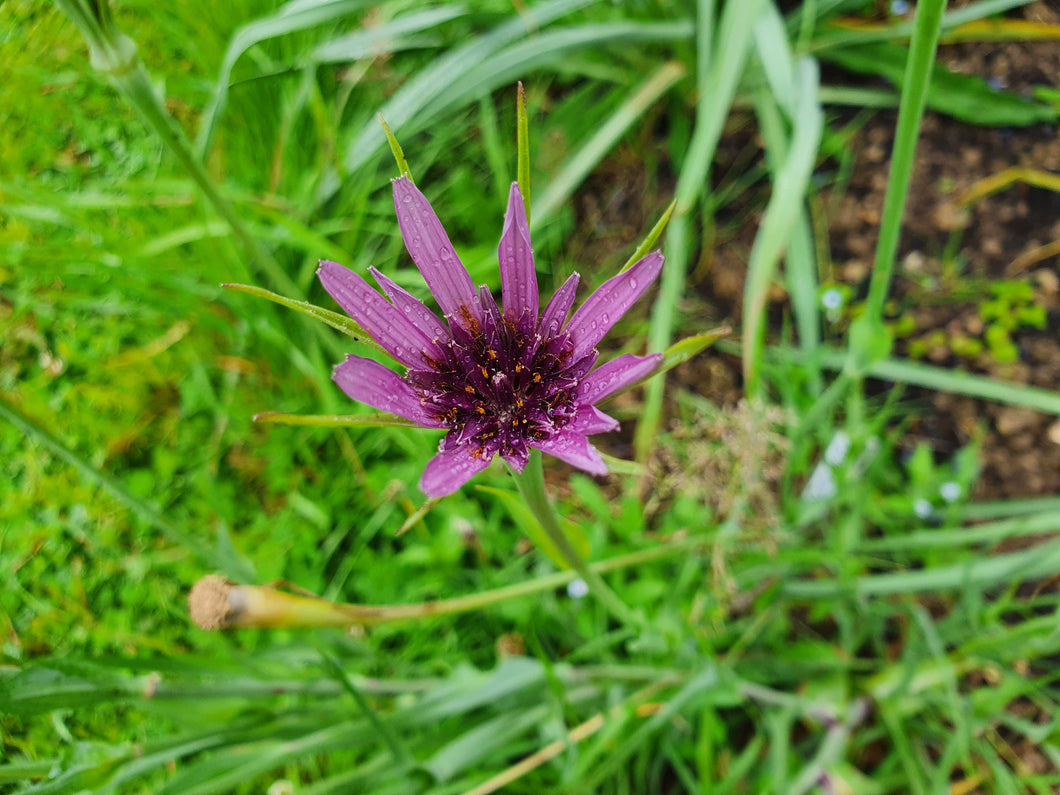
[(949, 259)]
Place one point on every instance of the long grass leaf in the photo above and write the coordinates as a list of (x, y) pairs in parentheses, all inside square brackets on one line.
[(721, 54), (991, 533), (404, 110), (784, 208), (917, 78), (938, 378), (338, 322), (965, 97), (382, 39), (290, 18), (560, 188), (977, 573)]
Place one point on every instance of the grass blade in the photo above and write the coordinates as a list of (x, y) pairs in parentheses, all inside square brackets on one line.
[(335, 420), (917, 78), (604, 139), (720, 58), (290, 18), (338, 322)]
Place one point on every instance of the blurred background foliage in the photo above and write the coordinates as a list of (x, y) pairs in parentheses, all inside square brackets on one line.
[(846, 637)]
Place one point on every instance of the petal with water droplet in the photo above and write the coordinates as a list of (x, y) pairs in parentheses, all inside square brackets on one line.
[(616, 374), (372, 383), (575, 449), (590, 420), (556, 310), (402, 338), (430, 249), (451, 469), (611, 300), (412, 307), (516, 257)]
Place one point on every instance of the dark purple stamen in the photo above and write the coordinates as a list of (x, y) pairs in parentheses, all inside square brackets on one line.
[(500, 385)]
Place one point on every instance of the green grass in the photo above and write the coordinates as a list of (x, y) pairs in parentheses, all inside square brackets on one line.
[(777, 641)]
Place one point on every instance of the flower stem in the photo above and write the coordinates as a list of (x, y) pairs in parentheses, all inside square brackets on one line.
[(531, 484), (218, 604)]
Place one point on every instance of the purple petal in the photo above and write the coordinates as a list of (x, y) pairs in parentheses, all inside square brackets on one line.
[(413, 308), (517, 459), (449, 470), (430, 249), (370, 382), (575, 449), (590, 420), (402, 338), (518, 279), (604, 307), (616, 374), (556, 310)]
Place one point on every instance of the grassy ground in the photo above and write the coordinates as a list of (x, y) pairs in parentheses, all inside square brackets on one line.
[(881, 635)]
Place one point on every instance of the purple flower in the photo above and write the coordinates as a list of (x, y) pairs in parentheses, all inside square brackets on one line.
[(501, 382)]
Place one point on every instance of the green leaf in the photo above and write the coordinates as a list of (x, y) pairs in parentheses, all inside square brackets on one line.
[(649, 241), (870, 343), (683, 350), (522, 144), (381, 420), (782, 213), (526, 520), (396, 150), (965, 97), (340, 322), (484, 741), (620, 466)]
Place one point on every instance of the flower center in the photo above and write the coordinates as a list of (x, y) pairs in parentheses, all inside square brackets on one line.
[(500, 385)]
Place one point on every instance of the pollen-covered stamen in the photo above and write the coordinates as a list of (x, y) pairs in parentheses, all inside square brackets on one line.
[(500, 384)]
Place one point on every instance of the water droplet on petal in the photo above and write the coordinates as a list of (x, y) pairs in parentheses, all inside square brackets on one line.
[(633, 284)]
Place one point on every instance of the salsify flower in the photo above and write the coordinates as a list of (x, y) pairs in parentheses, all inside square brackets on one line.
[(500, 380)]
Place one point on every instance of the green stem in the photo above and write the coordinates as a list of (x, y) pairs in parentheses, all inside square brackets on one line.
[(263, 606), (522, 139), (531, 484), (910, 111), (463, 604), (114, 54)]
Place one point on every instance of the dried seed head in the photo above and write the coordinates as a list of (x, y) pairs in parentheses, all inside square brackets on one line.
[(209, 602)]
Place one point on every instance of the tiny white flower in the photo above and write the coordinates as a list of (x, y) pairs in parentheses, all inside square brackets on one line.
[(832, 299), (577, 589), (922, 508), (821, 485), (837, 449), (950, 491)]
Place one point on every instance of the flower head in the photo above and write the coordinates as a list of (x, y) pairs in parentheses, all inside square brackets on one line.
[(500, 379)]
